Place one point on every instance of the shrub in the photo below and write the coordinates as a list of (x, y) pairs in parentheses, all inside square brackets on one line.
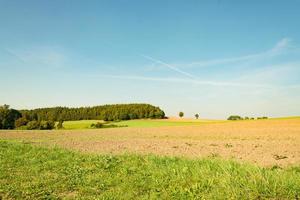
[(234, 117), (32, 125), (97, 125), (21, 122), (262, 117), (46, 125)]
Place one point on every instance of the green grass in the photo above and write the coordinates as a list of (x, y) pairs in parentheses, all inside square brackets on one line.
[(31, 172), (160, 123), (80, 124), (85, 124)]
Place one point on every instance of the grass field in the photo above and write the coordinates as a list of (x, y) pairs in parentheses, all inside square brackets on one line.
[(86, 124), (32, 172), (82, 124), (163, 122)]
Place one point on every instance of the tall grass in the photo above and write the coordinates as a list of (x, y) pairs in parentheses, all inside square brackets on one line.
[(31, 172)]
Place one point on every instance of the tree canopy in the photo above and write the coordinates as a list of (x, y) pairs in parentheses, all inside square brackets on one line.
[(8, 117), (105, 112), (181, 114)]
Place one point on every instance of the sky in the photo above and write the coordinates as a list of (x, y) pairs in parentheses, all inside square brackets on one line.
[(213, 57)]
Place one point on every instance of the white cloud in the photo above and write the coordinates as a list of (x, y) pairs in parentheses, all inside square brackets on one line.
[(278, 48)]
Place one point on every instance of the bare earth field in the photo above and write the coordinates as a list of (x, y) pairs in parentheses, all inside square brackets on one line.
[(264, 142)]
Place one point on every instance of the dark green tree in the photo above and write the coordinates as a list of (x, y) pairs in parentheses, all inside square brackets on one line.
[(197, 116), (181, 114), (8, 117)]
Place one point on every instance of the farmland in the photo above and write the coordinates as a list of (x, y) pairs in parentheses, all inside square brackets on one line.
[(262, 142), (150, 159)]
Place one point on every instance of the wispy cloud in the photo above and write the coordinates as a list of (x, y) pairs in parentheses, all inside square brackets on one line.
[(45, 56), (283, 73), (182, 80), (278, 48)]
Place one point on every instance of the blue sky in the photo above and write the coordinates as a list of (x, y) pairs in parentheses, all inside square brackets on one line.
[(215, 58)]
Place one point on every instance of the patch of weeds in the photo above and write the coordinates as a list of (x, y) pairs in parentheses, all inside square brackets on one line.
[(228, 145), (279, 157), (175, 147), (189, 144), (276, 167), (214, 145), (214, 155)]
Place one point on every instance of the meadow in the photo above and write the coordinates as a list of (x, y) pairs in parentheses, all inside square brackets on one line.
[(154, 159), (32, 172), (86, 124)]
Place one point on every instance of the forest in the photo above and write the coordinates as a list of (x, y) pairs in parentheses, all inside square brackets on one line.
[(105, 112), (43, 118)]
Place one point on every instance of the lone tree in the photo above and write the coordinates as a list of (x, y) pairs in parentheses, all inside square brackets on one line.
[(197, 116), (181, 114)]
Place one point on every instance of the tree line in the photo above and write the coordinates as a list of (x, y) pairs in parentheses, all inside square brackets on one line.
[(105, 112), (44, 118), (237, 117)]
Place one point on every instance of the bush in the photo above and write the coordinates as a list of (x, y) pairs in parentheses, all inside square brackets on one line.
[(102, 125), (262, 117), (32, 125), (40, 125), (97, 125), (234, 117), (46, 125), (21, 122)]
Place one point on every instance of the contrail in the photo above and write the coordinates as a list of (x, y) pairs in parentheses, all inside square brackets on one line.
[(11, 53), (169, 66)]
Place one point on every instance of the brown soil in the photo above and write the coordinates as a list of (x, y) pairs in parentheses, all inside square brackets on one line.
[(265, 142)]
